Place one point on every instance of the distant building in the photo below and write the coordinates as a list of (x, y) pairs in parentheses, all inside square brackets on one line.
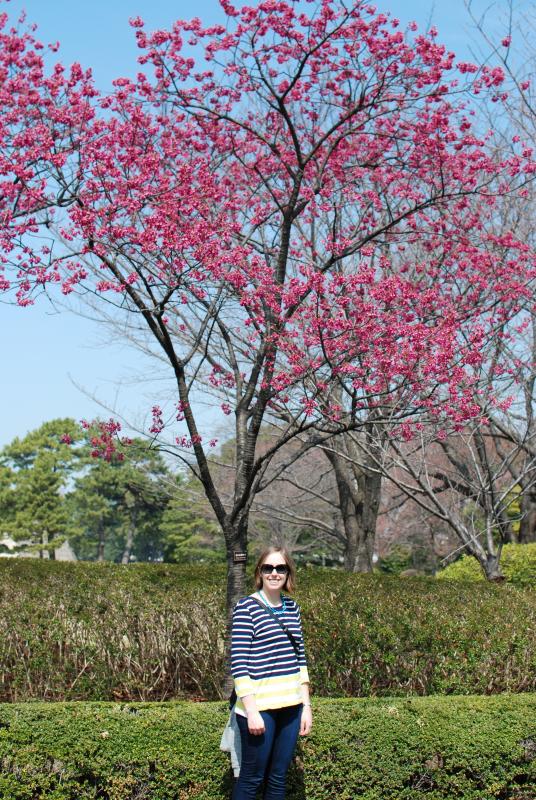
[(9, 548)]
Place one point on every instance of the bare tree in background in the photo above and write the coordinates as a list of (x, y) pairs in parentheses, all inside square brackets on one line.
[(469, 482), (335, 491)]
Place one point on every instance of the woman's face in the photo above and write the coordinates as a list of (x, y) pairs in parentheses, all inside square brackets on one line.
[(272, 579)]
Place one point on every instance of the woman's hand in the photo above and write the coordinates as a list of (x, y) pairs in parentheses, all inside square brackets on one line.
[(306, 721), (255, 723)]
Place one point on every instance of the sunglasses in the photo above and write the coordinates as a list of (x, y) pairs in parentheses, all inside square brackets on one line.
[(267, 569)]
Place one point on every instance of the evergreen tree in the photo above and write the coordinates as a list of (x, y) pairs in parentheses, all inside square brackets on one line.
[(188, 534), (116, 506), (35, 474)]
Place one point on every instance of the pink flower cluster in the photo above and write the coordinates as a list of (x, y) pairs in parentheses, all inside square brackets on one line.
[(308, 207), (105, 440)]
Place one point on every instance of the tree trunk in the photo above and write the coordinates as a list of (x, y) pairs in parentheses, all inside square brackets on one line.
[(492, 570), (359, 518), (359, 498), (130, 537), (44, 553), (527, 529), (372, 486), (357, 551), (487, 555), (508, 533), (236, 540), (100, 546)]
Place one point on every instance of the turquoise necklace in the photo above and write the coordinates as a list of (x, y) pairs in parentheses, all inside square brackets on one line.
[(277, 611)]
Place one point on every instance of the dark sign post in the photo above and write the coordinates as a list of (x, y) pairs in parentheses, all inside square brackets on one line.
[(239, 556)]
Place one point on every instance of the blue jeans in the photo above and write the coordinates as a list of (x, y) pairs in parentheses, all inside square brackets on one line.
[(267, 757)]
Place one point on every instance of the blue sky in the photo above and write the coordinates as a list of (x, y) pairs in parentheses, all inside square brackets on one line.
[(47, 351)]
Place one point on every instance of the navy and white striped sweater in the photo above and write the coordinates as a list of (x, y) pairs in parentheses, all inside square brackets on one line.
[(263, 661)]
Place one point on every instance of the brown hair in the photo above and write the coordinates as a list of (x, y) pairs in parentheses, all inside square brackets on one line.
[(290, 583)]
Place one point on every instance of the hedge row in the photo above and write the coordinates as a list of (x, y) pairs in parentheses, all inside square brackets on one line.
[(518, 564), (153, 632), (469, 748)]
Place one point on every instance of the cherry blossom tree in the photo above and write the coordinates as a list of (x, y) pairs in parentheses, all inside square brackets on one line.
[(508, 38), (256, 207), (470, 479)]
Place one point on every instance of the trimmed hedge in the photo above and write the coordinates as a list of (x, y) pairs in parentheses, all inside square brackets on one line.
[(155, 631), (90, 631), (518, 564), (470, 748)]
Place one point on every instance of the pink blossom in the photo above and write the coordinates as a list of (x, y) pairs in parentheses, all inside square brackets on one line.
[(157, 425), (301, 203)]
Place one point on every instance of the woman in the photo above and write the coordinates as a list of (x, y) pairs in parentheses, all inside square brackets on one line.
[(270, 677)]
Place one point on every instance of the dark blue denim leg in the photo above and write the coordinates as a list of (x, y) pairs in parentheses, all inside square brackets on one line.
[(256, 752), (287, 728)]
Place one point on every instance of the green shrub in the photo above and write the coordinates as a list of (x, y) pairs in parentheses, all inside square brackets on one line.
[(518, 564), (370, 635), (89, 631), (469, 748), (396, 561), (153, 632)]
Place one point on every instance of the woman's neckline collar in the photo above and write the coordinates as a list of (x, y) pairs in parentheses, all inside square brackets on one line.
[(258, 594)]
